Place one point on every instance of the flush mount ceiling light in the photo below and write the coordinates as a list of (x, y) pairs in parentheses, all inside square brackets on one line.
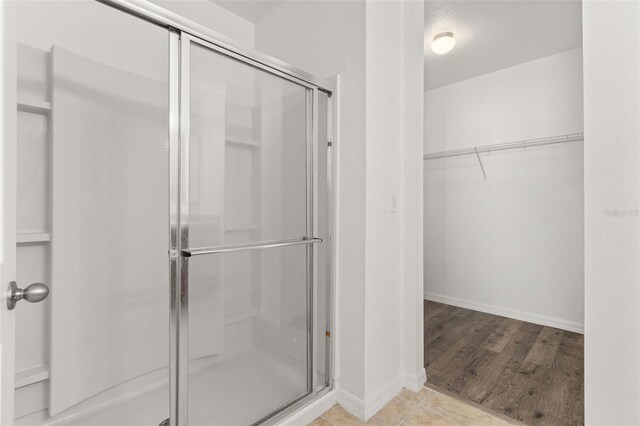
[(443, 43)]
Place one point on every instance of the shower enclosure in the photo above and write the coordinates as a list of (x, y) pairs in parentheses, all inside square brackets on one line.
[(174, 192)]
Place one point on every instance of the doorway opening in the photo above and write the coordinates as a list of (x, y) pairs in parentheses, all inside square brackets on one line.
[(503, 212)]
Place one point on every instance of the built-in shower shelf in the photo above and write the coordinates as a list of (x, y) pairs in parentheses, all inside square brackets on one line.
[(31, 375), (34, 106), (247, 143), (33, 238)]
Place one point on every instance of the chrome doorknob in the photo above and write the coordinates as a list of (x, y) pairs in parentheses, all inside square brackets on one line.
[(34, 293)]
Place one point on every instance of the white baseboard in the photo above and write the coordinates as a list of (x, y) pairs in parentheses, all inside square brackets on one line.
[(414, 382), (311, 412), (505, 312), (351, 403), (365, 410)]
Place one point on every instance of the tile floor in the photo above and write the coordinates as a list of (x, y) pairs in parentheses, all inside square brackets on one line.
[(426, 407)]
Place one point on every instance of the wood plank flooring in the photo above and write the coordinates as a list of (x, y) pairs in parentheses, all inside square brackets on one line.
[(528, 372)]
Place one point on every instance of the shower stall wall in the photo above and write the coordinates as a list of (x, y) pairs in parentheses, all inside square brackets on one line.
[(183, 222)]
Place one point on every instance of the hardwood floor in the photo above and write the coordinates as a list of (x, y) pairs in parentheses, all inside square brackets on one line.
[(528, 372)]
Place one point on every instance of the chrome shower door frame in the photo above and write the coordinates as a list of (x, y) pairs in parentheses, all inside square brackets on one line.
[(181, 250), (181, 34)]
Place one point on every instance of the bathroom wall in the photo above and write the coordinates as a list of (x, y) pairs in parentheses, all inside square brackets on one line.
[(612, 195), (511, 244)]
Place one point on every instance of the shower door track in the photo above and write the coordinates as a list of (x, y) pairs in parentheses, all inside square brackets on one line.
[(162, 17), (181, 31)]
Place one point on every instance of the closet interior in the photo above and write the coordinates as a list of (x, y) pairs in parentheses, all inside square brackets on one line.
[(503, 208)]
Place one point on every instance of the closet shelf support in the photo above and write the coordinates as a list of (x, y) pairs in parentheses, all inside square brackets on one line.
[(481, 165)]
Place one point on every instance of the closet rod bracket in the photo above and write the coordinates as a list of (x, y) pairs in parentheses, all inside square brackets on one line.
[(480, 162)]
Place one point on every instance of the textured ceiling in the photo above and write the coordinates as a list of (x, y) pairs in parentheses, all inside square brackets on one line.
[(251, 10), (491, 35)]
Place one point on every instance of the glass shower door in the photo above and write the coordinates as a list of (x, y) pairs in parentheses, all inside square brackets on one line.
[(247, 241)]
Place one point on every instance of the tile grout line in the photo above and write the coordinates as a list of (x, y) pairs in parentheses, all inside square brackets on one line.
[(484, 411), (326, 419), (409, 411), (446, 414), (439, 414), (419, 405)]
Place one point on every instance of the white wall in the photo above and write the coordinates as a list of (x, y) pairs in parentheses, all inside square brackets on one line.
[(612, 186), (511, 244), (535, 99), (383, 223), (393, 190), (378, 150), (412, 196)]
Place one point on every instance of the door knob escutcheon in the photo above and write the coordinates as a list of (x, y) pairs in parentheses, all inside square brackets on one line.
[(34, 293)]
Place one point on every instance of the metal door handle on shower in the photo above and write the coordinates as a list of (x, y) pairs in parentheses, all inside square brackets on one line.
[(250, 246)]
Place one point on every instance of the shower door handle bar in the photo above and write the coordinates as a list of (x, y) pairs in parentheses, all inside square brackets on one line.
[(252, 246)]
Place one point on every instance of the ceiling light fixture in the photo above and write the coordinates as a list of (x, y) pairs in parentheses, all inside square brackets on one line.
[(443, 43)]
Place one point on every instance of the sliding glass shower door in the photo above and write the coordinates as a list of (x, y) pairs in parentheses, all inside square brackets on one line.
[(249, 250)]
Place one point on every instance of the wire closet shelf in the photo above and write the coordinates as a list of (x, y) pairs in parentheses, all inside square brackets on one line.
[(552, 140)]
